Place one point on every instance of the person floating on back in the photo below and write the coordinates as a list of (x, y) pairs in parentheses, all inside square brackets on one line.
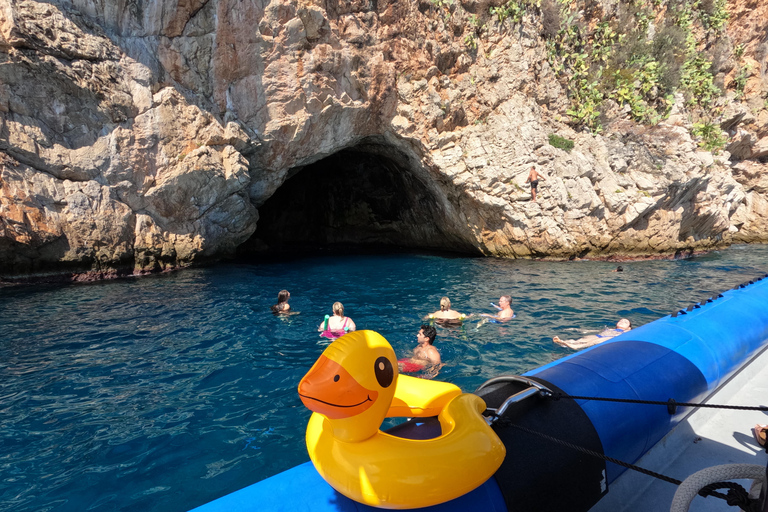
[(622, 326), (337, 325), (446, 315)]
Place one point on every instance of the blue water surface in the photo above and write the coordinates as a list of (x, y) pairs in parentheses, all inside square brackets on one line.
[(164, 392)]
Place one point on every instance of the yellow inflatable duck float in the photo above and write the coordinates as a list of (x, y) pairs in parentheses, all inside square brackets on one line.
[(351, 388)]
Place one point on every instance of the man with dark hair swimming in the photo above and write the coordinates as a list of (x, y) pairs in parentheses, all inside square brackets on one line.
[(425, 350), (425, 355)]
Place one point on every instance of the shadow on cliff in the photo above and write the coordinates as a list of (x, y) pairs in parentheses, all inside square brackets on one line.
[(60, 76), (680, 199), (65, 113)]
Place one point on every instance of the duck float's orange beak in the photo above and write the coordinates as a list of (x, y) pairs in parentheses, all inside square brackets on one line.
[(330, 390)]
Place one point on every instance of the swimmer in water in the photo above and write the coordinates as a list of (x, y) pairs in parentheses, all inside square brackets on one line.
[(337, 325), (282, 306), (622, 326), (446, 315), (505, 310), (425, 355)]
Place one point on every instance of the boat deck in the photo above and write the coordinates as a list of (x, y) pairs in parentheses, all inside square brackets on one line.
[(708, 437)]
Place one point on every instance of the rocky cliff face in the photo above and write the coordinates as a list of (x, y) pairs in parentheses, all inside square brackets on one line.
[(141, 136)]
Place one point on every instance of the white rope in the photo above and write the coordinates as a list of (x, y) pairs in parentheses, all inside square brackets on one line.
[(691, 486)]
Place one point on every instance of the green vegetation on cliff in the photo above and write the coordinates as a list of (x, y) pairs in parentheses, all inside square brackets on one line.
[(632, 55), (638, 56)]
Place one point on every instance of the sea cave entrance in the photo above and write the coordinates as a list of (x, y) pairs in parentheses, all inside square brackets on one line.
[(365, 198)]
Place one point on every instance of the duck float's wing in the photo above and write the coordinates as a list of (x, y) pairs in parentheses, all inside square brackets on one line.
[(420, 398)]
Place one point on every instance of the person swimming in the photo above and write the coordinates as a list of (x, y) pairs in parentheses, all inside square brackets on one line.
[(282, 306), (425, 355), (337, 325), (446, 315), (622, 326), (505, 310)]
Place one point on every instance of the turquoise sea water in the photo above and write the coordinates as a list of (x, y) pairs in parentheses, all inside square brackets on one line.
[(165, 392)]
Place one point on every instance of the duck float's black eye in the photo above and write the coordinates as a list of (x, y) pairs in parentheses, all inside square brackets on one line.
[(384, 372), (336, 378)]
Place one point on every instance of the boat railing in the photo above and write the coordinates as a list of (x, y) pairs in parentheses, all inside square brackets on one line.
[(533, 389)]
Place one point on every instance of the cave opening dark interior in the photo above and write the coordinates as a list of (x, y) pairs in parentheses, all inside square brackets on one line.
[(354, 201)]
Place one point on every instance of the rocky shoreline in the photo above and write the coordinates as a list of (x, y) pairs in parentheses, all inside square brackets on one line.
[(94, 276)]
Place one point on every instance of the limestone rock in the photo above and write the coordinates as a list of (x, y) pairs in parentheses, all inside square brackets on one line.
[(159, 134)]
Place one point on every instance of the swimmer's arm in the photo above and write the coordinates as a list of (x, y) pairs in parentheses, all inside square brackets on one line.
[(433, 371)]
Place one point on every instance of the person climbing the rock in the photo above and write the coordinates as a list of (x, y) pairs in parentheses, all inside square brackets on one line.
[(534, 177)]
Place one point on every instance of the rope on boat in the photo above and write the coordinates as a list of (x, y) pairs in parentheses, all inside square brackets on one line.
[(671, 404), (593, 453), (736, 496), (712, 478)]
